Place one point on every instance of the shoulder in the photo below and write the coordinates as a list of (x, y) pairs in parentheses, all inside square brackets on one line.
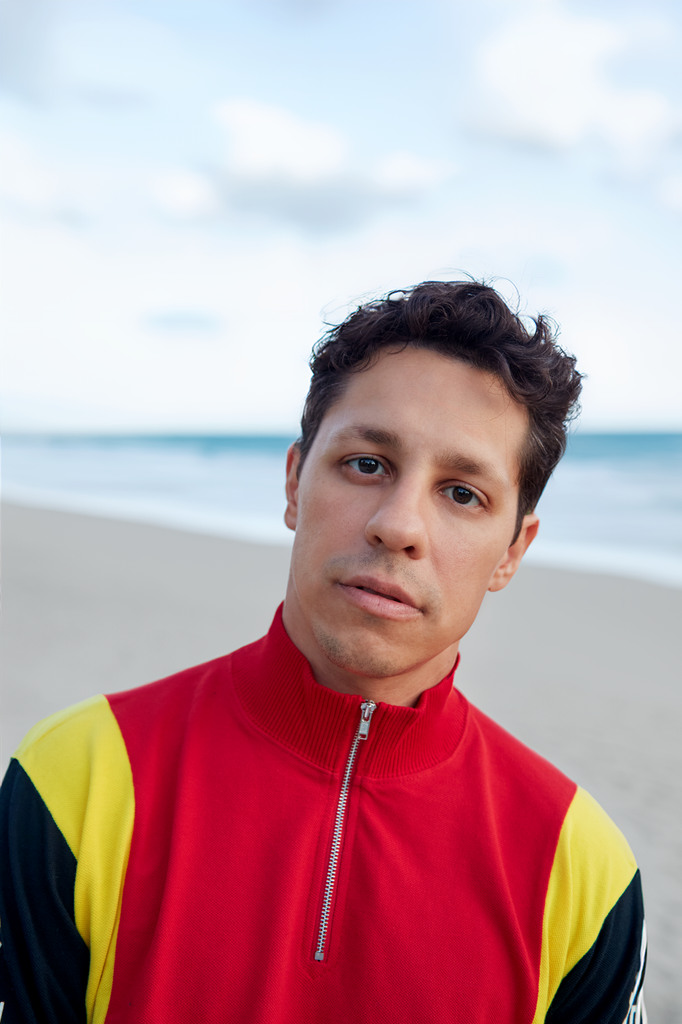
[(168, 700), (86, 747), (594, 939), (522, 775), (71, 781), (594, 869), (592, 863), (588, 838), (156, 721), (77, 762)]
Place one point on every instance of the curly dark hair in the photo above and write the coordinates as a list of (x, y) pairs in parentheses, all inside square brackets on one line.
[(469, 321)]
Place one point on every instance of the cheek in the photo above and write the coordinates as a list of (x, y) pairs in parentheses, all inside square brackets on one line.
[(330, 513), (320, 534), (470, 563)]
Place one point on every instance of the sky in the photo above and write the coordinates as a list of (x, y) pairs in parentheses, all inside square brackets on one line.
[(191, 190)]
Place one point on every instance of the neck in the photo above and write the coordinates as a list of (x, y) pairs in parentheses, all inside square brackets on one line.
[(397, 690), (277, 690), (331, 669)]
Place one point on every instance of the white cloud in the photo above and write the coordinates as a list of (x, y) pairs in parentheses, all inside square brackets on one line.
[(39, 183), (406, 172), (281, 167), (547, 81), (184, 193), (193, 323), (197, 329), (265, 141), (103, 53), (26, 66), (670, 192), (278, 168), (25, 182)]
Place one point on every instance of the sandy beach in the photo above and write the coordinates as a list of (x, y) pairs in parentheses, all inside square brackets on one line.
[(583, 668)]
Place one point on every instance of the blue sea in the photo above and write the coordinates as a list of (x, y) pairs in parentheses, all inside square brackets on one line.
[(614, 504)]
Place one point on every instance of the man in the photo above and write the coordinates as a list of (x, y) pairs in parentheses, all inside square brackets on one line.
[(319, 827)]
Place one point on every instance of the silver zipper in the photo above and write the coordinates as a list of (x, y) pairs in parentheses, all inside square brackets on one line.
[(367, 709)]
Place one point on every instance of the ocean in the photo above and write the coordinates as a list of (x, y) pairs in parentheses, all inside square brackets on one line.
[(613, 505)]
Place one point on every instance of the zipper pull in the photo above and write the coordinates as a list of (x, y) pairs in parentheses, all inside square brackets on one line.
[(367, 709)]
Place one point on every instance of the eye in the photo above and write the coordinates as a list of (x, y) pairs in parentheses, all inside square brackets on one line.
[(461, 495), (366, 465)]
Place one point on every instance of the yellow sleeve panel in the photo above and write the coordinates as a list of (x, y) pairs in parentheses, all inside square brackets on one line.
[(593, 867), (78, 762)]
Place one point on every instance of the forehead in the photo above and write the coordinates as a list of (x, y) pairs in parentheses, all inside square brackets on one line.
[(431, 404)]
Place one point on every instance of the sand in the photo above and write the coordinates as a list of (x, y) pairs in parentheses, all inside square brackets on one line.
[(584, 668)]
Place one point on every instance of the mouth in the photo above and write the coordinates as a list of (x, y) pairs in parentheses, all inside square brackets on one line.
[(379, 593), (385, 599)]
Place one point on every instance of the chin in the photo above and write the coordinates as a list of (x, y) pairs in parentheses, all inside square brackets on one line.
[(350, 657)]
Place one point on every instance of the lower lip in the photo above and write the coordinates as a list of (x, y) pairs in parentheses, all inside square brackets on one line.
[(375, 604)]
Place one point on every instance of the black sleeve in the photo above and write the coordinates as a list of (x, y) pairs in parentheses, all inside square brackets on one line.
[(44, 961), (605, 986)]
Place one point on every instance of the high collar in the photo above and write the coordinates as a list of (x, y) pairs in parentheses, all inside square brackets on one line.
[(279, 693)]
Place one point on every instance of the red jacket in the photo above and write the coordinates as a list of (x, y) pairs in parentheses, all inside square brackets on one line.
[(460, 877)]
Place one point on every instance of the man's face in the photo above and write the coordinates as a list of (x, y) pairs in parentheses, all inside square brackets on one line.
[(404, 512)]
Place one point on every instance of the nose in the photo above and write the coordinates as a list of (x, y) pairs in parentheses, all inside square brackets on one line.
[(398, 522)]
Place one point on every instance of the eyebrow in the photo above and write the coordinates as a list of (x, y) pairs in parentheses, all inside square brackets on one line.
[(375, 435), (448, 458)]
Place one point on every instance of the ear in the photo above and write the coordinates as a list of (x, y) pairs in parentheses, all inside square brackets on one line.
[(512, 559), (291, 487)]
